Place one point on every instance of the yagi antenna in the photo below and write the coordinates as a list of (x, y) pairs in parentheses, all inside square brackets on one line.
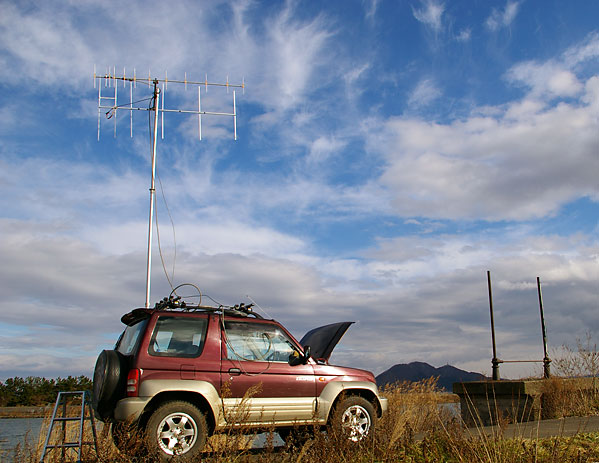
[(108, 99)]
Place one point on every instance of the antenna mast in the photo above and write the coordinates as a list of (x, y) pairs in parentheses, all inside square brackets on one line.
[(110, 80)]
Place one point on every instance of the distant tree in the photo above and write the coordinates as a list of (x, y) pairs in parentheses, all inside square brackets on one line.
[(19, 391), (34, 390)]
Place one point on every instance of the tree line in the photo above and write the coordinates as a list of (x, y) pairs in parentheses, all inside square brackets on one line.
[(33, 390)]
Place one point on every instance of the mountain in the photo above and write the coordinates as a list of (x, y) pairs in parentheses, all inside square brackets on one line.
[(417, 371)]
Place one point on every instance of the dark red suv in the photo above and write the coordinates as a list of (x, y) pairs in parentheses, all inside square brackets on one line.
[(182, 372)]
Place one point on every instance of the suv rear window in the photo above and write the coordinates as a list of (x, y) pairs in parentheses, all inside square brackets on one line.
[(178, 337), (127, 343)]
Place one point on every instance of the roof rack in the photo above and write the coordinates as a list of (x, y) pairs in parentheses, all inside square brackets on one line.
[(177, 303), (174, 302)]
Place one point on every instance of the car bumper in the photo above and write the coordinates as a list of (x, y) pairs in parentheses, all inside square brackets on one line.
[(130, 409)]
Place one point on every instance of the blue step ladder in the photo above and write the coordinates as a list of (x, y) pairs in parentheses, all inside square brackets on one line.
[(61, 404)]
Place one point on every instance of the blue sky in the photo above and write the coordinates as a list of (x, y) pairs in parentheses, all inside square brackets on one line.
[(389, 153)]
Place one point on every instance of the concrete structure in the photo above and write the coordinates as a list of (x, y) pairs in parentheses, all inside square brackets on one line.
[(485, 403), (559, 427)]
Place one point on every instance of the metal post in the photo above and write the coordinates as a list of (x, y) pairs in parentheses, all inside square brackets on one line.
[(110, 79), (152, 190), (546, 359), (495, 361), (234, 114), (64, 428), (81, 426)]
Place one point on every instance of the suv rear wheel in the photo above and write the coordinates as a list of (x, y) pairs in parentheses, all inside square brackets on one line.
[(176, 428), (354, 417)]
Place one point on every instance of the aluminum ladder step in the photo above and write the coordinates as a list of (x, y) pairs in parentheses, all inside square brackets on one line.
[(61, 403)]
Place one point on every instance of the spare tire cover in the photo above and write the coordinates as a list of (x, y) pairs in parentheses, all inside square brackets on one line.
[(110, 376)]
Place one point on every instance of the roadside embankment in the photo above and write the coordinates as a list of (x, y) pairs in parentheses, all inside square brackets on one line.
[(25, 412)]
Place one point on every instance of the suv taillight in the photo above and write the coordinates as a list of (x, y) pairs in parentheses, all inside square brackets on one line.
[(133, 383)]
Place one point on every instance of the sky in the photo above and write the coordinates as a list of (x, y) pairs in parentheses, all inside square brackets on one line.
[(389, 153)]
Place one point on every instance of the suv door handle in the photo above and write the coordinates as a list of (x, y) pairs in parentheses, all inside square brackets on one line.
[(234, 371)]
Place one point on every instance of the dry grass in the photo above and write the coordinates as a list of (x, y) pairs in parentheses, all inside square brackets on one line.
[(580, 361), (415, 429), (563, 396)]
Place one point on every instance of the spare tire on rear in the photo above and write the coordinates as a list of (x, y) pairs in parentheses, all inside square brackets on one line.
[(110, 378)]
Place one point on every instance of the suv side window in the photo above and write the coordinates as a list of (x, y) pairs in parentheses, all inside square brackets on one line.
[(259, 342), (178, 337)]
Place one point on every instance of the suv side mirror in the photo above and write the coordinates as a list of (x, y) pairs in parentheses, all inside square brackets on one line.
[(299, 359)]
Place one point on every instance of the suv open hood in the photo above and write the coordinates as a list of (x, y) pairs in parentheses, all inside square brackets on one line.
[(323, 340)]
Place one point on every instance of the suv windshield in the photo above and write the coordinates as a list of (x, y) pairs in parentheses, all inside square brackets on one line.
[(128, 340)]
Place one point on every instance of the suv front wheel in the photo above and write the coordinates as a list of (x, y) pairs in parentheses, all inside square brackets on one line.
[(176, 428), (354, 417)]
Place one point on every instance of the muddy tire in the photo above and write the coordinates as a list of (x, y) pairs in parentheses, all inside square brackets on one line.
[(176, 428), (354, 418), (110, 376)]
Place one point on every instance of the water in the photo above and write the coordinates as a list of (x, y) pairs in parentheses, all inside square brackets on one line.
[(14, 430), (452, 408)]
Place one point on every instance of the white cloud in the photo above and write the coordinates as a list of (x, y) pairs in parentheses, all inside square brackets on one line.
[(430, 13), (441, 294), (585, 51), (416, 296), (556, 77), (464, 35), (370, 7), (323, 147), (9, 118), (43, 47), (292, 53), (45, 365), (108, 208), (499, 19), (212, 237), (548, 79), (523, 164), (424, 94), (51, 44), (238, 238), (591, 96), (354, 79), (55, 199)]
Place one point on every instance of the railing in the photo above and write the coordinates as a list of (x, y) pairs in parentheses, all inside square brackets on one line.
[(495, 362)]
